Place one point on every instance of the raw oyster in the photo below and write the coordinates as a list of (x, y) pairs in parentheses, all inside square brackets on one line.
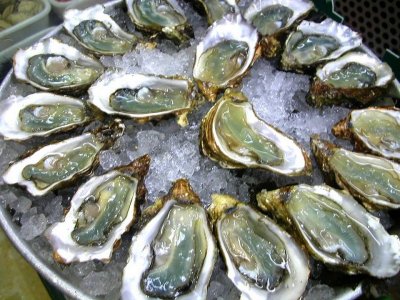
[(101, 210), (217, 9), (164, 16), (233, 135), (225, 54), (353, 77), (373, 180), (263, 261), (335, 229), (53, 66), (274, 18), (143, 97), (58, 164), (97, 31), (315, 43), (173, 256), (40, 114)]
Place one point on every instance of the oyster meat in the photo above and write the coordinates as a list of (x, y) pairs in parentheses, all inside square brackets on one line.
[(315, 43), (373, 180), (97, 31), (157, 16), (374, 129), (335, 229), (354, 77), (58, 164), (53, 66), (40, 114), (274, 18), (225, 54), (173, 255), (217, 9), (233, 135), (143, 97), (263, 261), (101, 210)]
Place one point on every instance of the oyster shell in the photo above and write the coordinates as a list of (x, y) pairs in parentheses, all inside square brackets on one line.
[(315, 43), (263, 261), (373, 180), (225, 54), (101, 210), (173, 255), (374, 129), (53, 66), (97, 31), (143, 97), (58, 164), (274, 18), (158, 16), (233, 135), (335, 229), (355, 76), (40, 114), (217, 9)]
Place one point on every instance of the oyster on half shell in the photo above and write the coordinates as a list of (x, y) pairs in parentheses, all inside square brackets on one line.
[(262, 260), (335, 229), (233, 135), (101, 210), (173, 255), (217, 9)]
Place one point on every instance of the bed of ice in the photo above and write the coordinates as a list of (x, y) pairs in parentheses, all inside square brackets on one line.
[(278, 98)]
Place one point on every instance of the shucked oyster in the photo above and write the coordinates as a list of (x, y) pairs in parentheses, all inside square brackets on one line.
[(217, 9), (373, 180), (374, 129), (97, 31), (101, 210), (314, 43), (53, 66), (164, 16), (335, 229), (355, 76), (57, 164), (173, 256), (225, 54), (143, 97), (273, 19), (40, 114), (263, 261), (235, 137)]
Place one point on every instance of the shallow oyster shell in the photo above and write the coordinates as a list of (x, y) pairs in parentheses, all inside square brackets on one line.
[(216, 9)]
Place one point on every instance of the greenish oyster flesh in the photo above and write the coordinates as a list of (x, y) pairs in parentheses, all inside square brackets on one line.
[(374, 129), (272, 18), (373, 180), (217, 9), (102, 209), (174, 254), (262, 260), (234, 136), (335, 229), (352, 75)]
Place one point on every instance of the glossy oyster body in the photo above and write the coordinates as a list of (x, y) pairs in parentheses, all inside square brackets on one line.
[(373, 180), (225, 55), (97, 31), (217, 9), (233, 135), (262, 260), (101, 210), (315, 43), (58, 164), (160, 16), (51, 65), (374, 129), (40, 114), (143, 97), (335, 229), (173, 255), (355, 77), (273, 19)]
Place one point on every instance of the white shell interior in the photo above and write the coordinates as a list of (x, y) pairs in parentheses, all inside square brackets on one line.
[(10, 108), (59, 234)]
